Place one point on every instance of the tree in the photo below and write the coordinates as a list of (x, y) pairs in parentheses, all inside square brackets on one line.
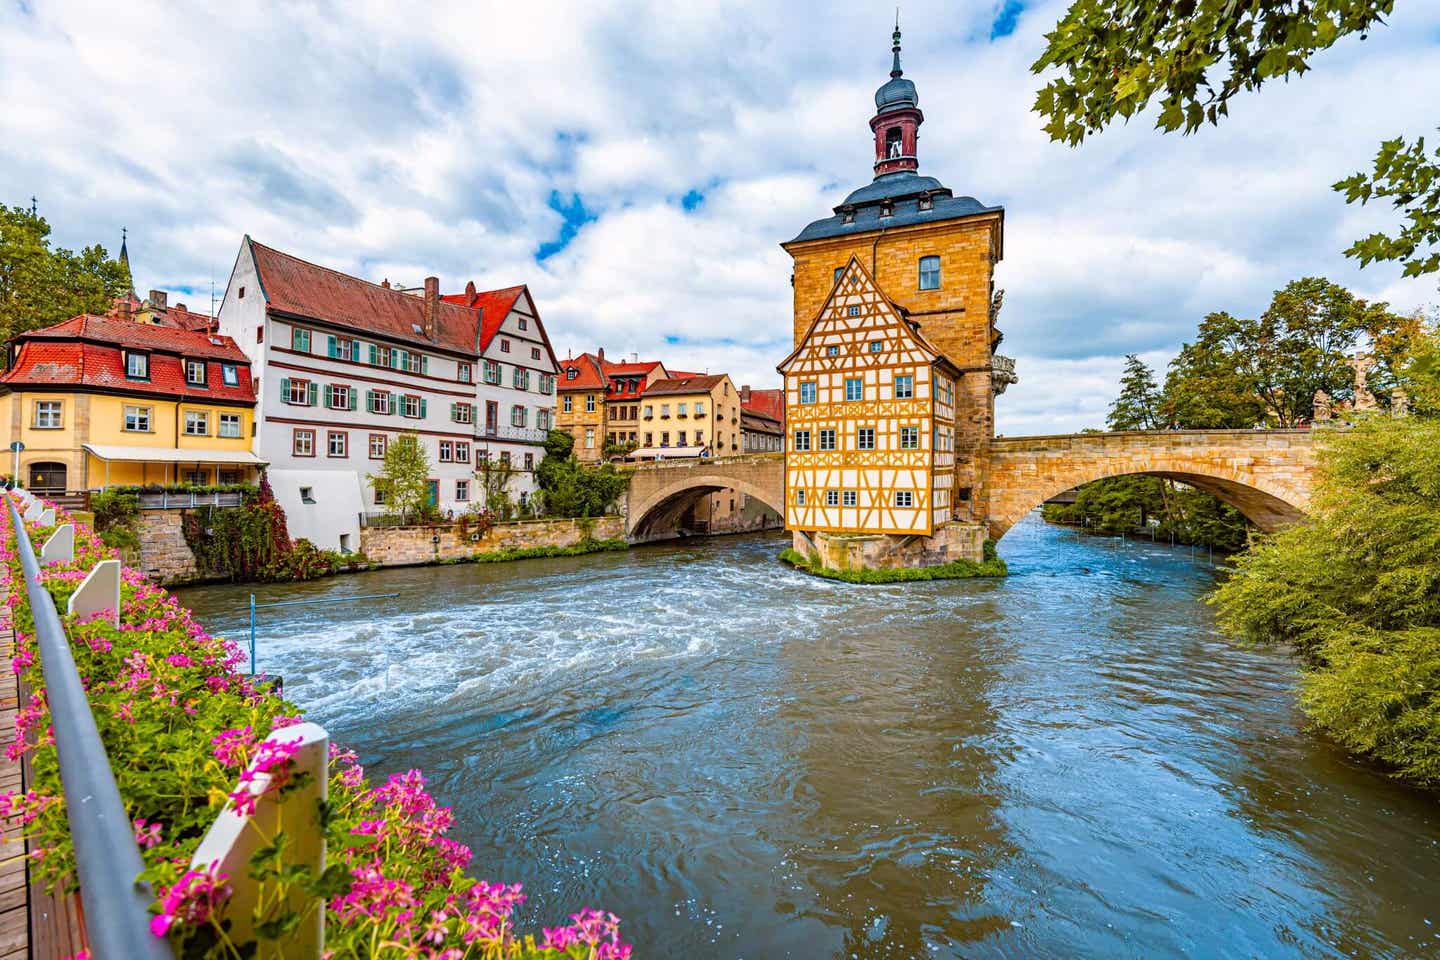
[(1115, 58), (1138, 405), (1354, 593), (404, 476), (1204, 389), (40, 286), (495, 477), (569, 488), (1410, 180)]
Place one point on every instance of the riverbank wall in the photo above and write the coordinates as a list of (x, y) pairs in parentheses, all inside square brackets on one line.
[(435, 543), (166, 557)]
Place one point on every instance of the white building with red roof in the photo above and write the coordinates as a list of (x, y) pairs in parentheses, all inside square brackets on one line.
[(344, 365)]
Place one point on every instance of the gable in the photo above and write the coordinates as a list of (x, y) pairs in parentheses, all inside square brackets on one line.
[(854, 316)]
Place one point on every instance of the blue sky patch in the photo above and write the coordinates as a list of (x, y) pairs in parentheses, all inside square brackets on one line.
[(1006, 19), (692, 200), (574, 216)]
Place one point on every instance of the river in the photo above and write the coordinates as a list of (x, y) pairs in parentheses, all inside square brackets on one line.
[(745, 762)]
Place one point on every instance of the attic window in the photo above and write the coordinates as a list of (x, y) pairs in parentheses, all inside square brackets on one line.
[(887, 209), (847, 215), (524, 324), (242, 293), (571, 373), (417, 328), (927, 202)]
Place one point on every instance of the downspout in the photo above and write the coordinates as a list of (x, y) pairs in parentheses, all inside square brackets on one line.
[(874, 247)]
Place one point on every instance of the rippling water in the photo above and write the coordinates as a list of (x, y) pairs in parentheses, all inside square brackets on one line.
[(744, 762)]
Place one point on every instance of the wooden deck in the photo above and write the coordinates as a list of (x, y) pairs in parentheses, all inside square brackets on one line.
[(14, 888)]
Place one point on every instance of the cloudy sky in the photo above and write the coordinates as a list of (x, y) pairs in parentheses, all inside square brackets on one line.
[(638, 164)]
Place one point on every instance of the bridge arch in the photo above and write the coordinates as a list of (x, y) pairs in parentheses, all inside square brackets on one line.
[(1265, 475), (660, 511)]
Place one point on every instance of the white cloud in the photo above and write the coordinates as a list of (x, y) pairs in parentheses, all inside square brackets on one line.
[(402, 141)]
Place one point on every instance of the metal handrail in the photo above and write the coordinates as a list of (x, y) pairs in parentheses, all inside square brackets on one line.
[(107, 859)]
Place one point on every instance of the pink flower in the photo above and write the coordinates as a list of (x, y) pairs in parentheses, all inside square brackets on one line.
[(147, 835), (192, 900), (268, 772)]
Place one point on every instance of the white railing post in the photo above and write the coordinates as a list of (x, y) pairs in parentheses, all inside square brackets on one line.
[(99, 591), (47, 517), (233, 839), (60, 548)]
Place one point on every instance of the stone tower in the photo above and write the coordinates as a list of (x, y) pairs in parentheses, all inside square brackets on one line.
[(932, 254)]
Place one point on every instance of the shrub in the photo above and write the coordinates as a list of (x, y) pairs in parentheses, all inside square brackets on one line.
[(167, 699), (117, 518), (1354, 592), (530, 553)]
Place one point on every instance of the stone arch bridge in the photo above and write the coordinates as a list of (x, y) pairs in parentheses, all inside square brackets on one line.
[(1265, 474)]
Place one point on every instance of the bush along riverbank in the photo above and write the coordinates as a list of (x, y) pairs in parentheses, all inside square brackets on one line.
[(533, 553), (183, 727), (991, 566), (1354, 592)]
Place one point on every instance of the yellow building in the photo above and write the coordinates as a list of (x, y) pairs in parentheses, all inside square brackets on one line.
[(102, 401), (894, 323)]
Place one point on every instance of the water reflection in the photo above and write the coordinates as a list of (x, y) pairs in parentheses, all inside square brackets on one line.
[(747, 763)]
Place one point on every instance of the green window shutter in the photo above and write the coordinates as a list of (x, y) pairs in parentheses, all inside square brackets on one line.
[(312, 392), (455, 412), (285, 390), (372, 354), (355, 350), (422, 408), (329, 394), (353, 399), (332, 349), (398, 356), (424, 364), (369, 401)]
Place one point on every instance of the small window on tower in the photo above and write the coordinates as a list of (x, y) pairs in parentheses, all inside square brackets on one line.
[(887, 209), (894, 146)]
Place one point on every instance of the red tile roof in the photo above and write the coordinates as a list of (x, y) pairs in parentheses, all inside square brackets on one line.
[(494, 307), (182, 319), (587, 373), (295, 286), (767, 403), (88, 352)]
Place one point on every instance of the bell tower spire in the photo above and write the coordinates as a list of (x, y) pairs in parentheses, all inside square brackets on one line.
[(897, 119)]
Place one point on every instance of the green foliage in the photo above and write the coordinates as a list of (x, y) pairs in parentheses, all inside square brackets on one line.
[(1410, 180), (495, 477), (991, 566), (117, 518), (530, 553), (1120, 505), (40, 285), (1138, 405), (569, 488), (405, 476), (1354, 592), (251, 543), (1115, 58)]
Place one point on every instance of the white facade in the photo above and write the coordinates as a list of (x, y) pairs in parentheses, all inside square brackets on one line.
[(332, 397), (515, 395)]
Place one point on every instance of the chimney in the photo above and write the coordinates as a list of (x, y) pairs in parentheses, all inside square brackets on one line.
[(745, 393), (158, 299), (601, 354), (385, 283), (181, 308), (432, 304), (470, 295)]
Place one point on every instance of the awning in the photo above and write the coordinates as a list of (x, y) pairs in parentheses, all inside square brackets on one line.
[(666, 453), (174, 455)]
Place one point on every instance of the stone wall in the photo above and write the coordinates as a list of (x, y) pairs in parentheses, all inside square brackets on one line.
[(953, 541), (407, 546), (164, 554)]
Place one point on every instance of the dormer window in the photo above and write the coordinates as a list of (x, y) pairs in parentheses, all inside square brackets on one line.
[(847, 214), (571, 373), (137, 365), (887, 209), (195, 373), (927, 202), (229, 374)]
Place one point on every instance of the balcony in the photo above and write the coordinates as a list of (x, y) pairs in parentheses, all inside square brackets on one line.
[(498, 432)]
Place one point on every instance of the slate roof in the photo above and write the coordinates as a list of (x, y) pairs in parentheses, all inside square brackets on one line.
[(758, 423), (305, 289), (904, 190), (87, 353)]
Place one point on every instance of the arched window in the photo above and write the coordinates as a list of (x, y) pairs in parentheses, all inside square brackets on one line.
[(929, 273), (47, 477), (894, 146)]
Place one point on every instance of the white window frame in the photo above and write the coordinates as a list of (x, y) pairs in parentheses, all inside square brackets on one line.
[(193, 417), (230, 426), (135, 415)]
